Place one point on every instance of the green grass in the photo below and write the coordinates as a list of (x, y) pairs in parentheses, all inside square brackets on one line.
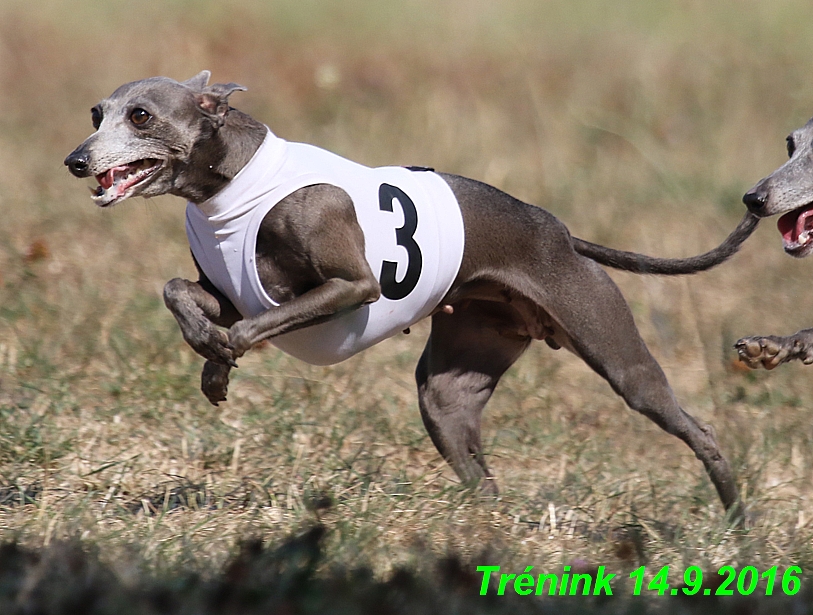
[(640, 124)]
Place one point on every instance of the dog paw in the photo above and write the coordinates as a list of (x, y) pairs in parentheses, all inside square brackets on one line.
[(214, 381), (241, 338), (211, 343), (771, 351)]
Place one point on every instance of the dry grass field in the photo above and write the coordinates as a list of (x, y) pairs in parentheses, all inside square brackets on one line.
[(640, 124)]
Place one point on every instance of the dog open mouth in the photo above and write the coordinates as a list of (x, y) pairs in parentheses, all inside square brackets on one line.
[(796, 228), (121, 182)]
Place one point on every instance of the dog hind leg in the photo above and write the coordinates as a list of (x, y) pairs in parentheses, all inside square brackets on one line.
[(465, 356), (599, 326)]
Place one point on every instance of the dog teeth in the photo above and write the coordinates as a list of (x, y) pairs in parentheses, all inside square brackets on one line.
[(132, 172), (803, 237), (117, 183)]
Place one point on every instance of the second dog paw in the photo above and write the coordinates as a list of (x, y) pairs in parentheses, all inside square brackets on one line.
[(771, 351)]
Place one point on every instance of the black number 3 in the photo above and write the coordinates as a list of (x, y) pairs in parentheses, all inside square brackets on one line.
[(403, 237)]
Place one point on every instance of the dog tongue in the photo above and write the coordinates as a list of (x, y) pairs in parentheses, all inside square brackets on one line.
[(108, 178), (794, 223)]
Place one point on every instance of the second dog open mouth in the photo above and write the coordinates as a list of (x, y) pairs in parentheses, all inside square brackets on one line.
[(796, 228), (119, 183)]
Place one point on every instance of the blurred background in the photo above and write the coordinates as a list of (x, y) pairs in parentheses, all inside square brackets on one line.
[(640, 124)]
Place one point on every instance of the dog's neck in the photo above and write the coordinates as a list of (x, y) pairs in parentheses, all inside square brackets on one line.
[(217, 156)]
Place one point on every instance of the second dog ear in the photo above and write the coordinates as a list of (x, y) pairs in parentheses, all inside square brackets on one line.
[(213, 101)]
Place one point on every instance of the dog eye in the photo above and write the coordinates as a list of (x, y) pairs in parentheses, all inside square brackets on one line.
[(791, 146), (96, 117), (139, 117)]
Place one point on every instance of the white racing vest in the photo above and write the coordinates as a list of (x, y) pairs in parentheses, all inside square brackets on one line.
[(413, 234)]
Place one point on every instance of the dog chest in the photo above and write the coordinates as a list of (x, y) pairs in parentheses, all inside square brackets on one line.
[(413, 234)]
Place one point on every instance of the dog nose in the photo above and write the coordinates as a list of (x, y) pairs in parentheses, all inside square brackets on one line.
[(78, 163), (755, 199)]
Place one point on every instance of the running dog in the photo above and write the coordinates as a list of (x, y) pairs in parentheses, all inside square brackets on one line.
[(324, 257), (787, 191)]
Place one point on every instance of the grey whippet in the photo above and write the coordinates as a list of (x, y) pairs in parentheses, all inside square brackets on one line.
[(522, 275), (787, 191)]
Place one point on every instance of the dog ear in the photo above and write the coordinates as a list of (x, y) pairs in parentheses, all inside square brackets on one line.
[(213, 101), (199, 81)]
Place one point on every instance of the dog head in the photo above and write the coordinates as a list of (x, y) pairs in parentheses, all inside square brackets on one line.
[(788, 192), (149, 134)]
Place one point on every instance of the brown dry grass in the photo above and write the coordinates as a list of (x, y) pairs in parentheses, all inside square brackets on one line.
[(639, 124)]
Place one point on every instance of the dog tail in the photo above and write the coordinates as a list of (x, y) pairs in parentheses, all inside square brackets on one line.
[(640, 263)]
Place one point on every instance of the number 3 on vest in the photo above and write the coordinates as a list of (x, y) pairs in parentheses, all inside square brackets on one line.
[(390, 288)]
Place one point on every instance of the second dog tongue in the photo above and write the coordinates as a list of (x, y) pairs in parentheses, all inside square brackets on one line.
[(801, 223)]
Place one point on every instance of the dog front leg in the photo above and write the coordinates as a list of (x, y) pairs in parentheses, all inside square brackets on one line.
[(197, 311), (198, 307), (328, 300), (771, 350)]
